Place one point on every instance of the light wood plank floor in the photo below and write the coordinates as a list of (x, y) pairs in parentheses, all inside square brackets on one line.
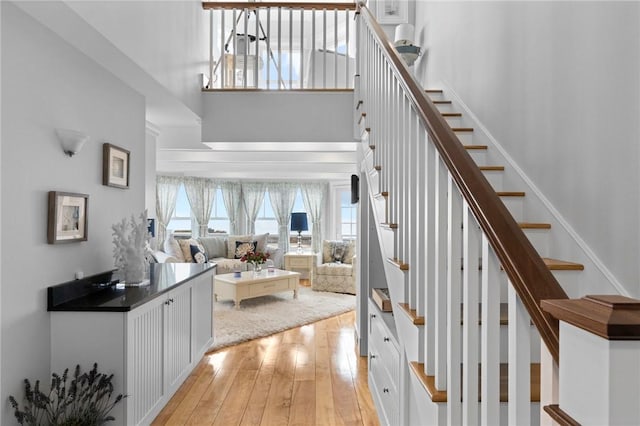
[(309, 375)]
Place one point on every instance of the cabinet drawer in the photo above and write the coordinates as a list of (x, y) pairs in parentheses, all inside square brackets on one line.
[(386, 350), (385, 388), (299, 262), (268, 287)]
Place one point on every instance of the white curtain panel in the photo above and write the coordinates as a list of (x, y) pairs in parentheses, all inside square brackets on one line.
[(232, 198), (166, 193), (313, 196), (201, 193), (282, 196), (253, 196)]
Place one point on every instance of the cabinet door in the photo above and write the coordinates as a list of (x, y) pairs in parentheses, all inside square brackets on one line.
[(202, 289), (177, 310), (145, 342)]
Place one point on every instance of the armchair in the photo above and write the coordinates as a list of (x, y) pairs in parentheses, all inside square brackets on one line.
[(335, 268)]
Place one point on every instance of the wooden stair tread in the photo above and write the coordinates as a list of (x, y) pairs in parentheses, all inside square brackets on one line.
[(377, 168), (411, 313), (383, 194), (389, 225), (533, 225), (442, 102), (399, 264), (559, 415), (562, 265), (451, 114), (428, 382), (372, 147), (492, 168), (475, 147), (462, 129), (510, 193), (433, 90)]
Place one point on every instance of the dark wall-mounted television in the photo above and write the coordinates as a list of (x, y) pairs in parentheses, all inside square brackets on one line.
[(355, 189)]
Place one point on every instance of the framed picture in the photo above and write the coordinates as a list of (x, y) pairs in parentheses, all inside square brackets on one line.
[(392, 11), (67, 221), (115, 166), (151, 227)]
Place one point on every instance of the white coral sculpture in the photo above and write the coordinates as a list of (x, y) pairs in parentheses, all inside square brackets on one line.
[(130, 239)]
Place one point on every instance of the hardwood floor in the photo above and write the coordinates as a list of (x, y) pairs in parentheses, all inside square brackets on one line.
[(309, 375)]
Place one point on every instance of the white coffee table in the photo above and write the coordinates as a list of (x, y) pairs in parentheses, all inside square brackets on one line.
[(249, 285)]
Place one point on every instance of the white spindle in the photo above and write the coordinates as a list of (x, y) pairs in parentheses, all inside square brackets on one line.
[(290, 48), (414, 222), (490, 336), (246, 48), (454, 299), (324, 48), (313, 49), (223, 58), (519, 361), (471, 298), (335, 48), (280, 48), (268, 55), (302, 49), (346, 59), (256, 68), (210, 84), (437, 211), (235, 45)]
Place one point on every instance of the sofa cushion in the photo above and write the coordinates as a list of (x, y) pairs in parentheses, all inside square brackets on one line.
[(337, 251), (334, 269), (197, 254), (185, 246), (214, 246), (244, 247), (262, 240), (172, 248)]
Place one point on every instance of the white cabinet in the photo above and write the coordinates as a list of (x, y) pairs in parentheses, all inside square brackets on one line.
[(384, 365), (150, 349)]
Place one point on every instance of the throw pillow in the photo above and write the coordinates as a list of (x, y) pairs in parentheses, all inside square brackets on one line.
[(214, 247), (338, 252), (198, 255), (349, 252), (231, 244), (244, 247), (262, 241), (172, 248)]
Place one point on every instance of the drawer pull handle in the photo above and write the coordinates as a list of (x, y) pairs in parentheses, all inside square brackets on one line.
[(386, 339), (372, 356), (385, 390), (373, 315)]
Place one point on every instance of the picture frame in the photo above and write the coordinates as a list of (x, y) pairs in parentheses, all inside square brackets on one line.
[(392, 11), (67, 220), (115, 166)]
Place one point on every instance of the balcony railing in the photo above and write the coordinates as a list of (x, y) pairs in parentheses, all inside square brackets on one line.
[(281, 46)]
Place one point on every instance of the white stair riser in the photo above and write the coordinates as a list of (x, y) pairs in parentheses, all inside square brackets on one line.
[(454, 121), (466, 138), (374, 180), (539, 238), (479, 156), (411, 336), (444, 107), (387, 237), (515, 206), (495, 179), (436, 96)]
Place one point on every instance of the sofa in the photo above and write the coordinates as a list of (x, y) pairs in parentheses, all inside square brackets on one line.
[(335, 268), (224, 250)]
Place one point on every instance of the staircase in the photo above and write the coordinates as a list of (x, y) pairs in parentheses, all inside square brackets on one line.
[(464, 259)]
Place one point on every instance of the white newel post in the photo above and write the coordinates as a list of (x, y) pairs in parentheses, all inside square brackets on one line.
[(599, 372)]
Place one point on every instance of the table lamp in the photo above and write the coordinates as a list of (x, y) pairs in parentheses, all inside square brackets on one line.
[(299, 224)]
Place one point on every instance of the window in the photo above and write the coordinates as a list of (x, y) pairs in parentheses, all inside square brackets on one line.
[(181, 219), (219, 220), (348, 216), (266, 220)]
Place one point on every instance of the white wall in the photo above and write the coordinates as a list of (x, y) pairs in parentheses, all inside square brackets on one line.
[(46, 84), (558, 85), (168, 39), (277, 116)]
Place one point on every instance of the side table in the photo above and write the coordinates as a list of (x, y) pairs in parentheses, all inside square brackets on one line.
[(300, 261)]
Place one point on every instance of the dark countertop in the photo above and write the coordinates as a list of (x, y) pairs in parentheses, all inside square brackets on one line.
[(101, 293)]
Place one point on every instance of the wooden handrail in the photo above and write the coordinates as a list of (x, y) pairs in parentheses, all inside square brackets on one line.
[(288, 5), (526, 270)]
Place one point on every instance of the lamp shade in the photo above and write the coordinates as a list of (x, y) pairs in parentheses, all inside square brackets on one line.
[(299, 222), (404, 35)]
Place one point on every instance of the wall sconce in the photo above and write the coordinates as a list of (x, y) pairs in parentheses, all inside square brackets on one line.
[(404, 44), (71, 141)]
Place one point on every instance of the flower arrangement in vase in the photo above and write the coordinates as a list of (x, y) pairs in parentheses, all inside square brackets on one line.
[(256, 258)]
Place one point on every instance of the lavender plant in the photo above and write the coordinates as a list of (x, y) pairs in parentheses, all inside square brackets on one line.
[(86, 401)]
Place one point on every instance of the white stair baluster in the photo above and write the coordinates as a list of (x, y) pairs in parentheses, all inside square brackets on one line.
[(519, 361)]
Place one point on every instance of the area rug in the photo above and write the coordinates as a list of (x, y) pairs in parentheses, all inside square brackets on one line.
[(267, 315)]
